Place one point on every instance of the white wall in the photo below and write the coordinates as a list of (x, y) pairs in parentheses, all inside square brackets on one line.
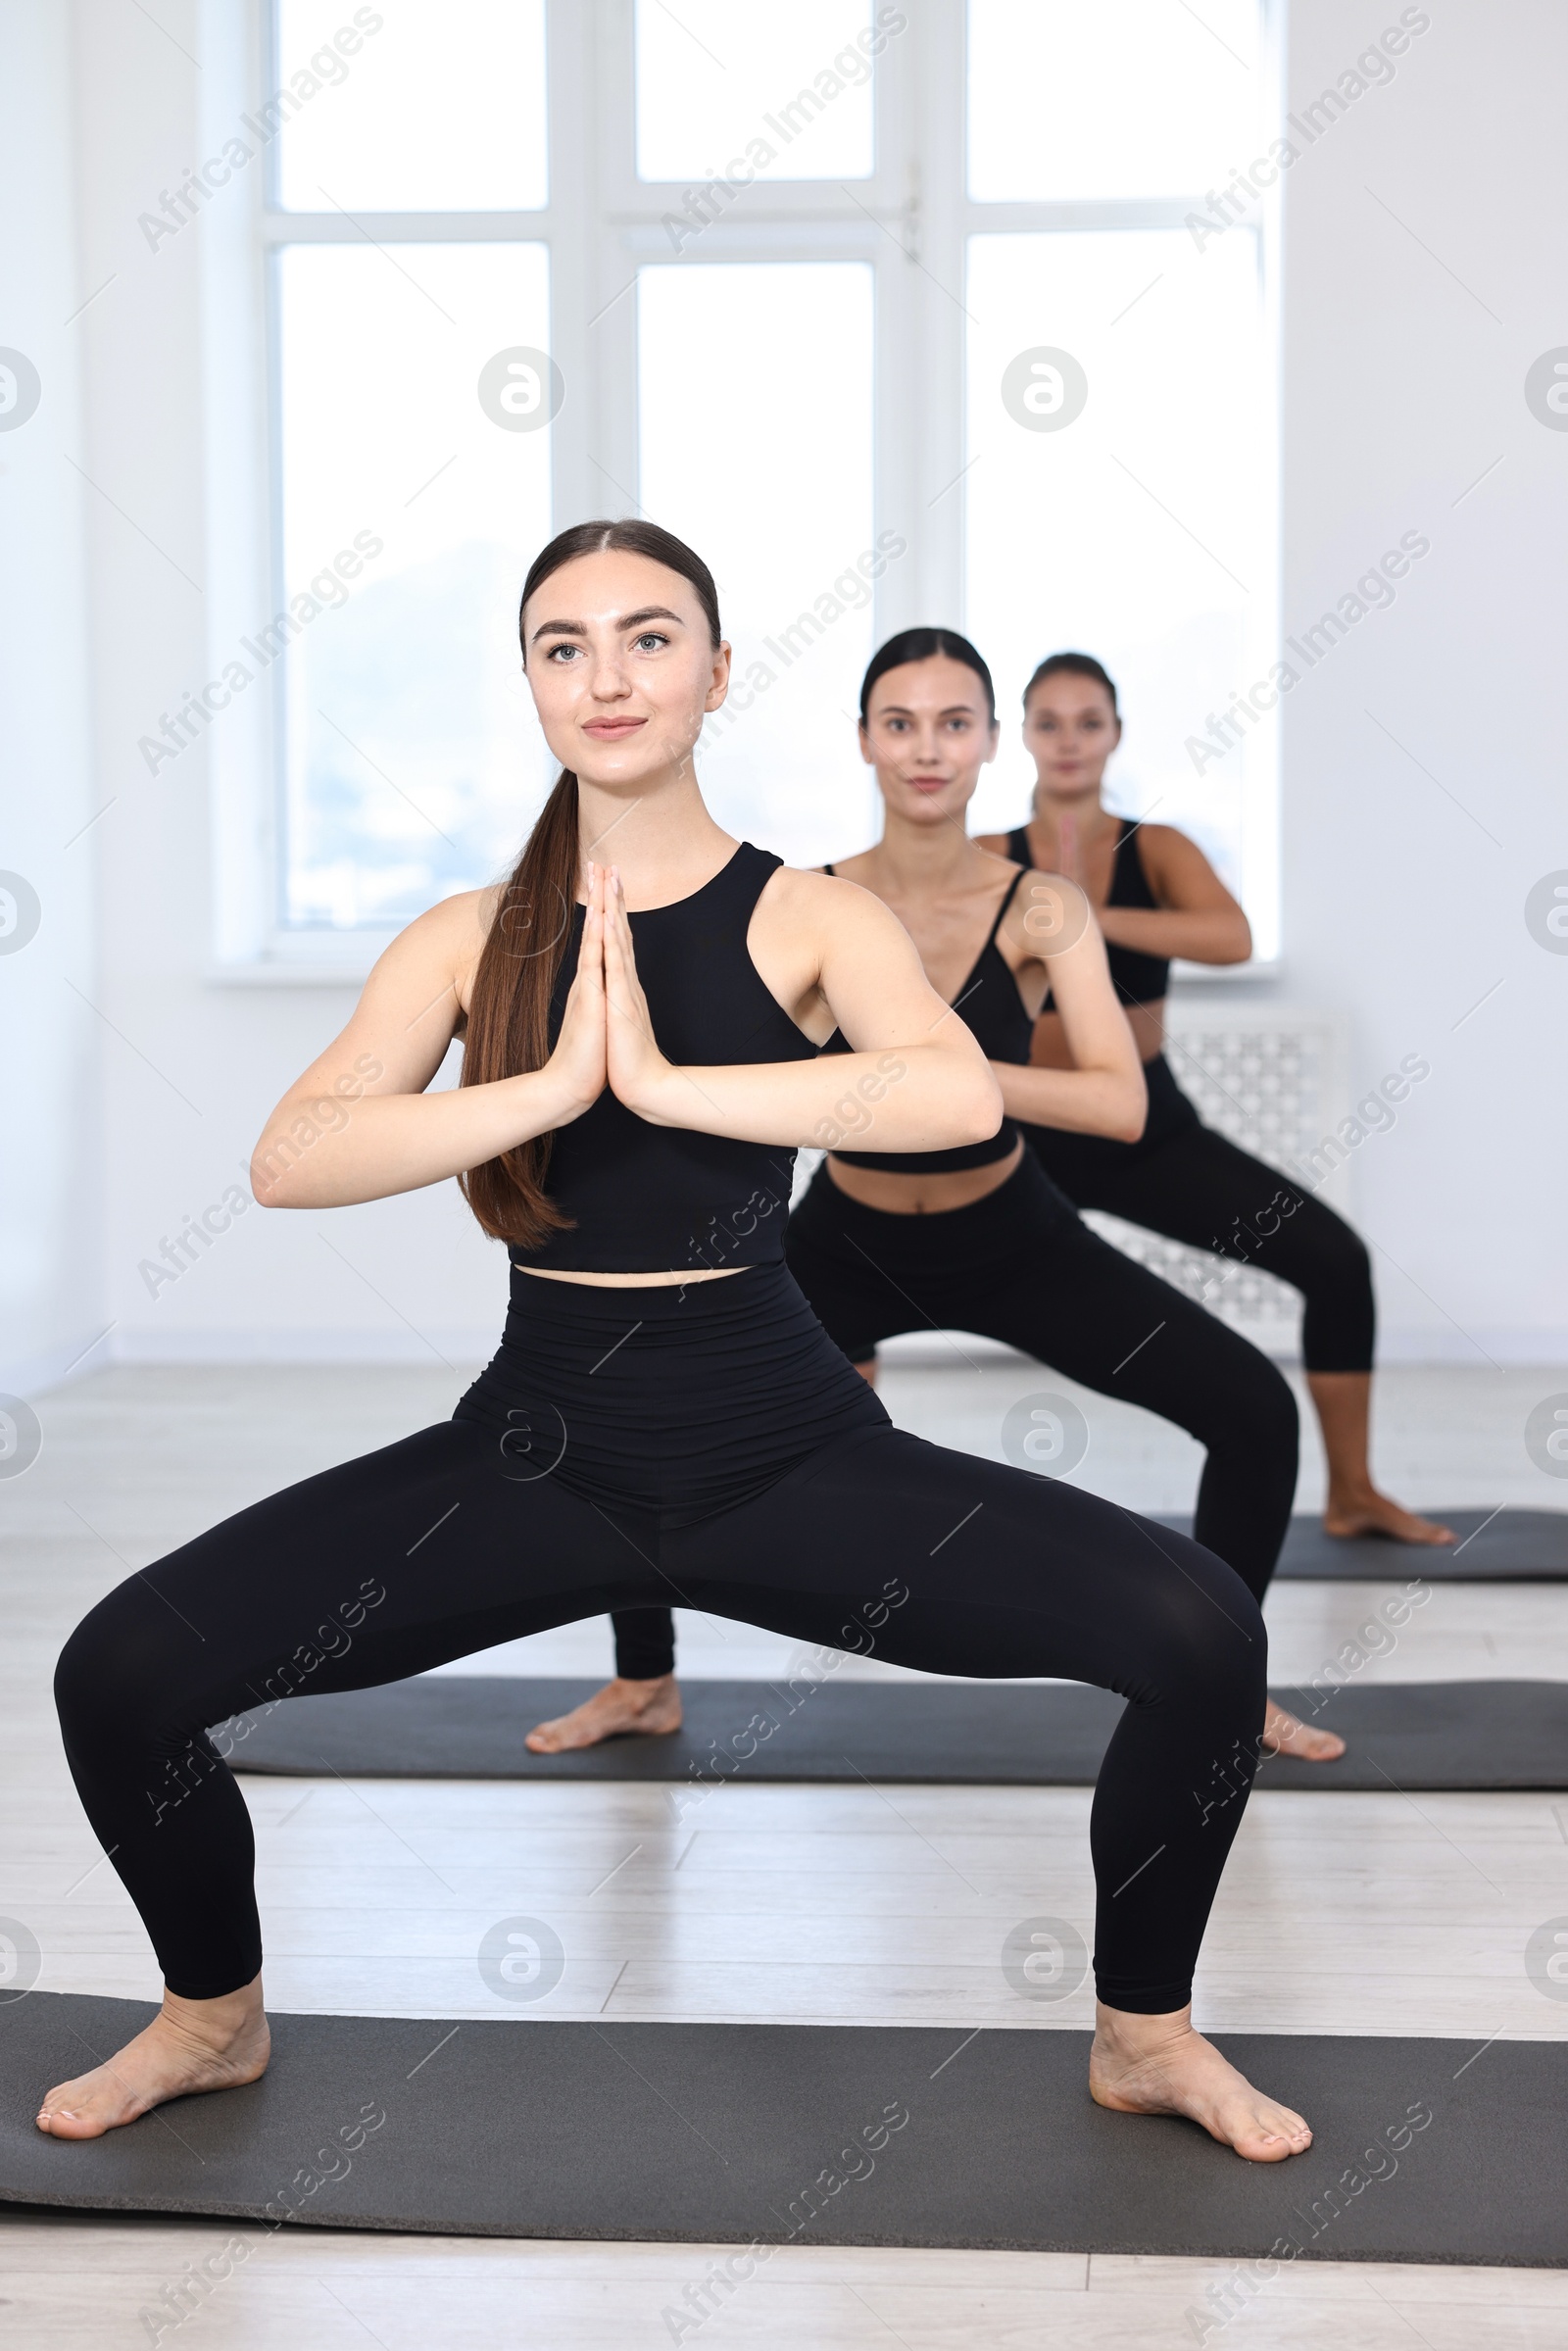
[(51, 1275), (409, 1278), (1400, 389)]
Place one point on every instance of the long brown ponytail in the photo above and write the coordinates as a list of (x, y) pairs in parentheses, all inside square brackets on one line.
[(509, 1011)]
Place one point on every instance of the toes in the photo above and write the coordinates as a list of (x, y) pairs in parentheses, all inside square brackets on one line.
[(1273, 2143)]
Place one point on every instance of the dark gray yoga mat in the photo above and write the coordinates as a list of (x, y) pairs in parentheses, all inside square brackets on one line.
[(1417, 1735), (1425, 2150), (1494, 1547)]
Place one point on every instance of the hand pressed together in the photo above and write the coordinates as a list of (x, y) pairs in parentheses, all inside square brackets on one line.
[(607, 1034)]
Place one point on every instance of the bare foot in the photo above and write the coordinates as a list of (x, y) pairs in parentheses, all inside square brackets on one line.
[(1372, 1513), (1159, 2065), (192, 2045), (650, 1707), (1285, 1734)]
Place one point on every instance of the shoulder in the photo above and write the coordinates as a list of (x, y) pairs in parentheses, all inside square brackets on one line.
[(996, 844), (1162, 839), (1174, 862), (1161, 844), (460, 922), (815, 899), (1046, 914), (820, 924), (443, 944)]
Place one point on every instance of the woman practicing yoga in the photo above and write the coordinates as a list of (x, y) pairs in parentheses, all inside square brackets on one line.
[(665, 1418), (977, 1238), (1157, 895)]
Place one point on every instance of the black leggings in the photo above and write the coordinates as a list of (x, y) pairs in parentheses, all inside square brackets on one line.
[(631, 1444), (1185, 1181), (1021, 1266)]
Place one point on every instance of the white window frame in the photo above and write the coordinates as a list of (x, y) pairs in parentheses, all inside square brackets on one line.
[(911, 221)]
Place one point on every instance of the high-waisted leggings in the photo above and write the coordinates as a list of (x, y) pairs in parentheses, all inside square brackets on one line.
[(1021, 1266), (1185, 1181), (708, 1446)]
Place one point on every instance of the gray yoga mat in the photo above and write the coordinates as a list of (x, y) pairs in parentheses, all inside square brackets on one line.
[(1425, 2150), (1413, 1735), (1492, 1546)]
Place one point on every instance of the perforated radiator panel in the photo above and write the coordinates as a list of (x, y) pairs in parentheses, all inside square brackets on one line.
[(1273, 1084)]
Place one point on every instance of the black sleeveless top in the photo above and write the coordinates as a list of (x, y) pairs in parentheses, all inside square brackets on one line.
[(648, 1199), (1137, 979), (993, 1013)]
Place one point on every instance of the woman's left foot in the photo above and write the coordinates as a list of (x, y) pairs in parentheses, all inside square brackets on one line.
[(192, 2045), (651, 1708), (1284, 1735), (1373, 1513), (1159, 2065)]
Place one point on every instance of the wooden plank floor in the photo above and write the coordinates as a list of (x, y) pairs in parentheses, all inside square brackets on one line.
[(1340, 1913)]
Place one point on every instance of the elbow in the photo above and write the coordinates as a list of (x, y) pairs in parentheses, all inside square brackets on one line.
[(1239, 948), (983, 1109), (269, 1171), (1129, 1111)]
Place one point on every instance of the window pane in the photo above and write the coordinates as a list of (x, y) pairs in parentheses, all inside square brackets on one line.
[(784, 91), (1143, 530), (1138, 98), (440, 106), (414, 764), (755, 384)]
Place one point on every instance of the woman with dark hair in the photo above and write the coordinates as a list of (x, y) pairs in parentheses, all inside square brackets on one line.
[(1155, 896), (665, 1418), (977, 1238)]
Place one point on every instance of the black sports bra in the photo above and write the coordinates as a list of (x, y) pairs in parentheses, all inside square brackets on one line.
[(1137, 979), (646, 1198), (996, 1014)]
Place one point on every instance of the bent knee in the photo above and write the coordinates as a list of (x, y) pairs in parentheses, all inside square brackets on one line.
[(1333, 1255), (1207, 1636), (1249, 1410), (1273, 1421), (119, 1670)]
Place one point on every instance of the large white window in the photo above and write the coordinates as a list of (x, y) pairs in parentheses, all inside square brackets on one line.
[(896, 313), (1121, 430)]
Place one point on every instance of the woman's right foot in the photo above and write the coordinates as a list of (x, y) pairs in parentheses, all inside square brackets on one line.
[(1159, 2065), (192, 2045), (1285, 1734), (650, 1707)]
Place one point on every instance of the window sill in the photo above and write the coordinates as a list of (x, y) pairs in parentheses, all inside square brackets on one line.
[(279, 972), (1187, 976)]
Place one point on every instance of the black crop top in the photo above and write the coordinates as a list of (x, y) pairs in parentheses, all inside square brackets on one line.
[(994, 1013), (1137, 979), (648, 1199)]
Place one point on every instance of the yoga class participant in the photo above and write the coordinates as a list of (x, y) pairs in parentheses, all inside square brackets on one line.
[(977, 1238), (1157, 895), (664, 1417)]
